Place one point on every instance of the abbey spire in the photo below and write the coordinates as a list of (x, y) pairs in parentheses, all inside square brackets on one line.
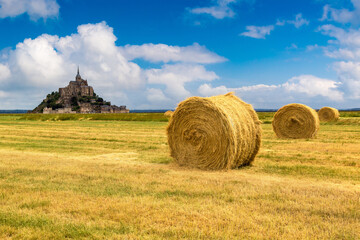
[(78, 74)]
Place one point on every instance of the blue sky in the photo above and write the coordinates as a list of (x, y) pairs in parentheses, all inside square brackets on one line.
[(153, 54)]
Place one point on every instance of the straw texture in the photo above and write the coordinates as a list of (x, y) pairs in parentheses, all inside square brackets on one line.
[(168, 113), (219, 132), (296, 121), (327, 114)]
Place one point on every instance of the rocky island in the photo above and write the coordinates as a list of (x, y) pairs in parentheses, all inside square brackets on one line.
[(77, 97)]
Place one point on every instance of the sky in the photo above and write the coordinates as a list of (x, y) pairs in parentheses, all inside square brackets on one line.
[(152, 54)]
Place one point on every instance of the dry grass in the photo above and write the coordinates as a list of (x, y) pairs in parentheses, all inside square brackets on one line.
[(168, 114), (114, 180)]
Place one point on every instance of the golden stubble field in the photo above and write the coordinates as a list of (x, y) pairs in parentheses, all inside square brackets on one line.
[(115, 180)]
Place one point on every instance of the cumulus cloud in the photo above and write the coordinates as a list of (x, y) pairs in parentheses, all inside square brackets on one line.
[(164, 53), (34, 8), (207, 90), (220, 10), (176, 76), (342, 53), (257, 32), (303, 88), (349, 74), (156, 96), (41, 65), (4, 72), (345, 43), (345, 46), (314, 86), (36, 61), (46, 61), (349, 38), (342, 15)]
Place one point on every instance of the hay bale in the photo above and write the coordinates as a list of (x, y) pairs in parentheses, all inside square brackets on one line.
[(168, 113), (296, 121), (327, 114), (219, 132)]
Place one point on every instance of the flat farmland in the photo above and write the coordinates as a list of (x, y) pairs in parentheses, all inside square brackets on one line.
[(87, 178)]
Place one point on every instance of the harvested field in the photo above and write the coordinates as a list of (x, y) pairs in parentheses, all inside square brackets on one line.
[(111, 179)]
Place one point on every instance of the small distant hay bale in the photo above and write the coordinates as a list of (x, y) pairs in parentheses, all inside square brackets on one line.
[(219, 132), (327, 114), (168, 113), (296, 121)]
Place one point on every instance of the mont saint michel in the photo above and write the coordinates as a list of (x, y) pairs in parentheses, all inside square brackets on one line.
[(77, 97)]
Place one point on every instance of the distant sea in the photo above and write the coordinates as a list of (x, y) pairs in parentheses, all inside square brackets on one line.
[(162, 110), (13, 111)]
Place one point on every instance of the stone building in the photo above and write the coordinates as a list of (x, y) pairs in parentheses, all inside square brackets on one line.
[(76, 88), (77, 97), (86, 108), (113, 109), (59, 110)]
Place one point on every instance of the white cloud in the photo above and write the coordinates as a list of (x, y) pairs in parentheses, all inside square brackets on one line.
[(257, 32), (310, 48), (346, 44), (219, 11), (342, 15), (164, 53), (3, 94), (176, 76), (36, 61), (156, 96), (345, 47), (280, 22), (257, 87), (343, 53), (314, 86), (299, 21), (303, 88), (292, 46), (41, 65), (350, 38), (4, 72), (349, 74), (34, 8), (260, 32), (207, 90), (46, 61)]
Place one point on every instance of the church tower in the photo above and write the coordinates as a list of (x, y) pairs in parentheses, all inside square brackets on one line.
[(78, 77)]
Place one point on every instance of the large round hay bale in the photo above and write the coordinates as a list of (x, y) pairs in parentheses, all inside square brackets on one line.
[(296, 121), (219, 132), (327, 114), (168, 113)]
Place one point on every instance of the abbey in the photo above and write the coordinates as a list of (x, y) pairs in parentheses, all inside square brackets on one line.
[(79, 87), (77, 97)]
